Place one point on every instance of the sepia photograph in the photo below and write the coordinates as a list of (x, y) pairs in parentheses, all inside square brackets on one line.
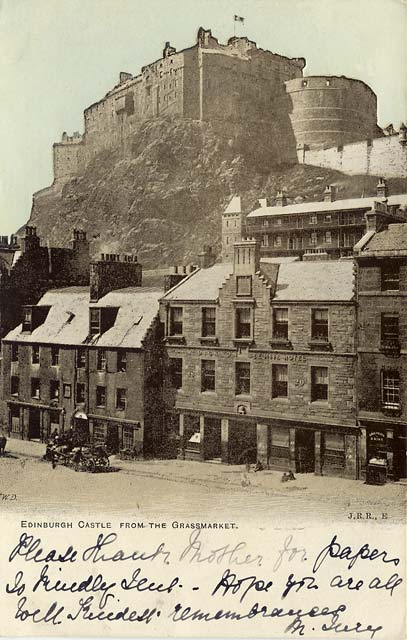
[(203, 317)]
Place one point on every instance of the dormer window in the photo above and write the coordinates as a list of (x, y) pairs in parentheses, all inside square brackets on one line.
[(101, 319), (27, 319), (33, 317), (94, 322)]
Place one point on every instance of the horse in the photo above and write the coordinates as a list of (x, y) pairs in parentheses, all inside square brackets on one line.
[(3, 442)]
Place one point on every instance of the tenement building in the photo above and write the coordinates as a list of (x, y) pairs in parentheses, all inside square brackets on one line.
[(89, 359), (313, 230), (382, 348), (261, 361), (28, 270)]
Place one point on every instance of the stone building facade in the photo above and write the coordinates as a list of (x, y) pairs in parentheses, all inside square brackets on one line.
[(28, 270), (382, 348), (261, 364), (90, 363), (315, 230)]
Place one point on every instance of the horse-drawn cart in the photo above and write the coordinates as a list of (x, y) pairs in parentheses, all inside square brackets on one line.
[(82, 458)]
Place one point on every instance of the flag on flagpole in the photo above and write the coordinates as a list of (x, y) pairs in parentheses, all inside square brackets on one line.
[(239, 18)]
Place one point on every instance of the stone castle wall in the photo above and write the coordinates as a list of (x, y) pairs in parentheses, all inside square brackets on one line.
[(386, 156)]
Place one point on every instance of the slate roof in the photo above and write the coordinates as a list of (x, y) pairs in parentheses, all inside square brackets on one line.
[(202, 284), (321, 281), (67, 322), (393, 239), (338, 205)]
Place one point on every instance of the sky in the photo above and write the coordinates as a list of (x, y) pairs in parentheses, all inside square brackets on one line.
[(59, 56)]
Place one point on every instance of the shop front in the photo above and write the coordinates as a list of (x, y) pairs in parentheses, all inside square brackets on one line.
[(385, 451)]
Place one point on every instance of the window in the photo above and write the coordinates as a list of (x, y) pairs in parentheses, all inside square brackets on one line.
[(313, 238), (390, 277), (243, 322), (319, 325), (100, 396), (390, 328), (55, 356), (35, 388), (334, 441), (265, 223), (120, 399), (277, 241), (127, 438), (279, 381), (35, 354), (208, 321), (81, 358), (94, 322), (27, 319), (328, 237), (244, 285), (265, 241), (208, 375), (14, 353), (101, 360), (391, 389), (280, 324), (14, 385), (242, 386), (278, 222), (176, 321), (67, 391), (176, 372), (80, 392), (319, 383), (328, 217), (313, 219), (54, 389), (121, 360)]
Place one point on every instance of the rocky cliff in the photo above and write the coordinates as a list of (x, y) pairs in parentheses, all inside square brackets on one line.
[(163, 195)]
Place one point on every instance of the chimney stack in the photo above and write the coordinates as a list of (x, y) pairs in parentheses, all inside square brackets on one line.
[(330, 193), (281, 199), (111, 273), (206, 258), (246, 257), (30, 241), (382, 190)]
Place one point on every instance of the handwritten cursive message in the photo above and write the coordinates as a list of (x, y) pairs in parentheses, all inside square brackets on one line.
[(271, 584)]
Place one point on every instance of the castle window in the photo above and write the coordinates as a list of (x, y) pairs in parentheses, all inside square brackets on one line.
[(328, 237), (265, 223), (277, 241), (328, 83), (328, 217), (314, 238), (313, 219), (265, 241), (278, 222), (304, 83)]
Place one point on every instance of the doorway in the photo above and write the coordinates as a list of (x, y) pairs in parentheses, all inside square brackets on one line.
[(212, 439), (399, 454), (304, 451), (34, 424)]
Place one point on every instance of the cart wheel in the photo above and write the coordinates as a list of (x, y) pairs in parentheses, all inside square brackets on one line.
[(90, 465)]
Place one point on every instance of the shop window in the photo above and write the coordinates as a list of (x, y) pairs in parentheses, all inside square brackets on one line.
[(389, 328), (127, 437), (176, 321), (390, 273), (15, 418), (280, 324), (14, 385), (14, 352), (208, 322), (35, 388), (319, 384), (121, 360), (35, 354), (121, 399), (101, 360), (54, 356), (80, 393), (208, 375), (280, 437), (243, 322), (100, 396), (319, 325), (67, 391), (54, 389), (279, 381), (391, 389), (334, 441), (81, 358), (244, 285), (176, 372), (242, 378)]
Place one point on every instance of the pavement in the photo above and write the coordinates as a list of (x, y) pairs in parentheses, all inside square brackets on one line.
[(236, 477)]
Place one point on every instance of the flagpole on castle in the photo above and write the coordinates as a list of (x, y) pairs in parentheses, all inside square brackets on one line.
[(236, 19)]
